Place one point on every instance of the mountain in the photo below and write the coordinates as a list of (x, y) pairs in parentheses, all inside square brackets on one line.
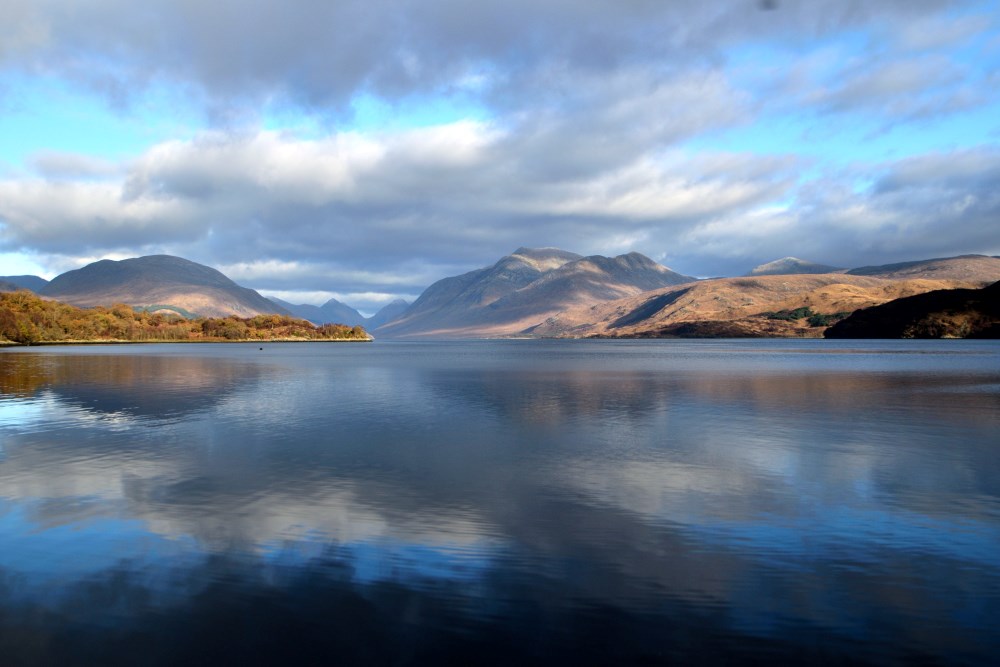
[(332, 311), (522, 289), (387, 314), (445, 307), (585, 282), (956, 313), (6, 286), (726, 307), (980, 270), (791, 266), (158, 280), (33, 283)]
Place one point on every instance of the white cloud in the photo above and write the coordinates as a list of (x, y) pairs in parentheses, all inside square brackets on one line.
[(930, 206), (389, 214)]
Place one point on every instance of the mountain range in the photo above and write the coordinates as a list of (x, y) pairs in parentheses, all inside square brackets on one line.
[(546, 292), (340, 313), (331, 311)]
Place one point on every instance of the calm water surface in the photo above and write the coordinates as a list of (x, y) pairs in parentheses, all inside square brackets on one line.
[(511, 502)]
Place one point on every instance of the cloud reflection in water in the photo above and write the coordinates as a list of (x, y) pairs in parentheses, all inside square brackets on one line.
[(656, 502)]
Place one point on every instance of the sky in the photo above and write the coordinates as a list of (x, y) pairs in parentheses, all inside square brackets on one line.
[(363, 149)]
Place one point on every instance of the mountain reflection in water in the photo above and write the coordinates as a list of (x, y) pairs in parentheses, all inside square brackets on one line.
[(497, 502)]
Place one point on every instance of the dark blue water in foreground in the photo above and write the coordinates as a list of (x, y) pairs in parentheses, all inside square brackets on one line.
[(516, 502)]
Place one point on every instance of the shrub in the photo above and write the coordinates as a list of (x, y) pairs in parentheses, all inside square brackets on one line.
[(821, 320), (790, 315)]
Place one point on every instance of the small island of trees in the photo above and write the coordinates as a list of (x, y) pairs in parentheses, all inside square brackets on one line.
[(27, 319)]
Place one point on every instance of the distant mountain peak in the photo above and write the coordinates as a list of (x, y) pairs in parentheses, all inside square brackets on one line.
[(637, 259), (387, 313), (331, 312), (33, 283), (540, 252), (791, 266)]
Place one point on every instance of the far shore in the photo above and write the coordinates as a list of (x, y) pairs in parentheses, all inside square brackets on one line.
[(49, 343)]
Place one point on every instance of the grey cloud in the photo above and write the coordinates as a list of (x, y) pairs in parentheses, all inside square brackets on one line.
[(52, 216), (321, 53), (582, 124), (979, 169)]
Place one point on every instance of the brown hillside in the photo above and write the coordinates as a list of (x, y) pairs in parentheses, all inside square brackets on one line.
[(957, 313), (978, 270), (158, 280), (737, 301)]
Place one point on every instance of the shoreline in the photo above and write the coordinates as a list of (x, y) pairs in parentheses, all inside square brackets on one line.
[(49, 343)]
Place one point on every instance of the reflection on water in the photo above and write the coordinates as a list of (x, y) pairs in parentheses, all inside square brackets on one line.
[(498, 502), (132, 386)]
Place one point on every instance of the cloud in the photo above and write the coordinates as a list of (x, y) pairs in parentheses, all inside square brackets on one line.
[(320, 54), (392, 211), (901, 89), (363, 214), (391, 214), (52, 216), (55, 165), (933, 32), (934, 205)]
